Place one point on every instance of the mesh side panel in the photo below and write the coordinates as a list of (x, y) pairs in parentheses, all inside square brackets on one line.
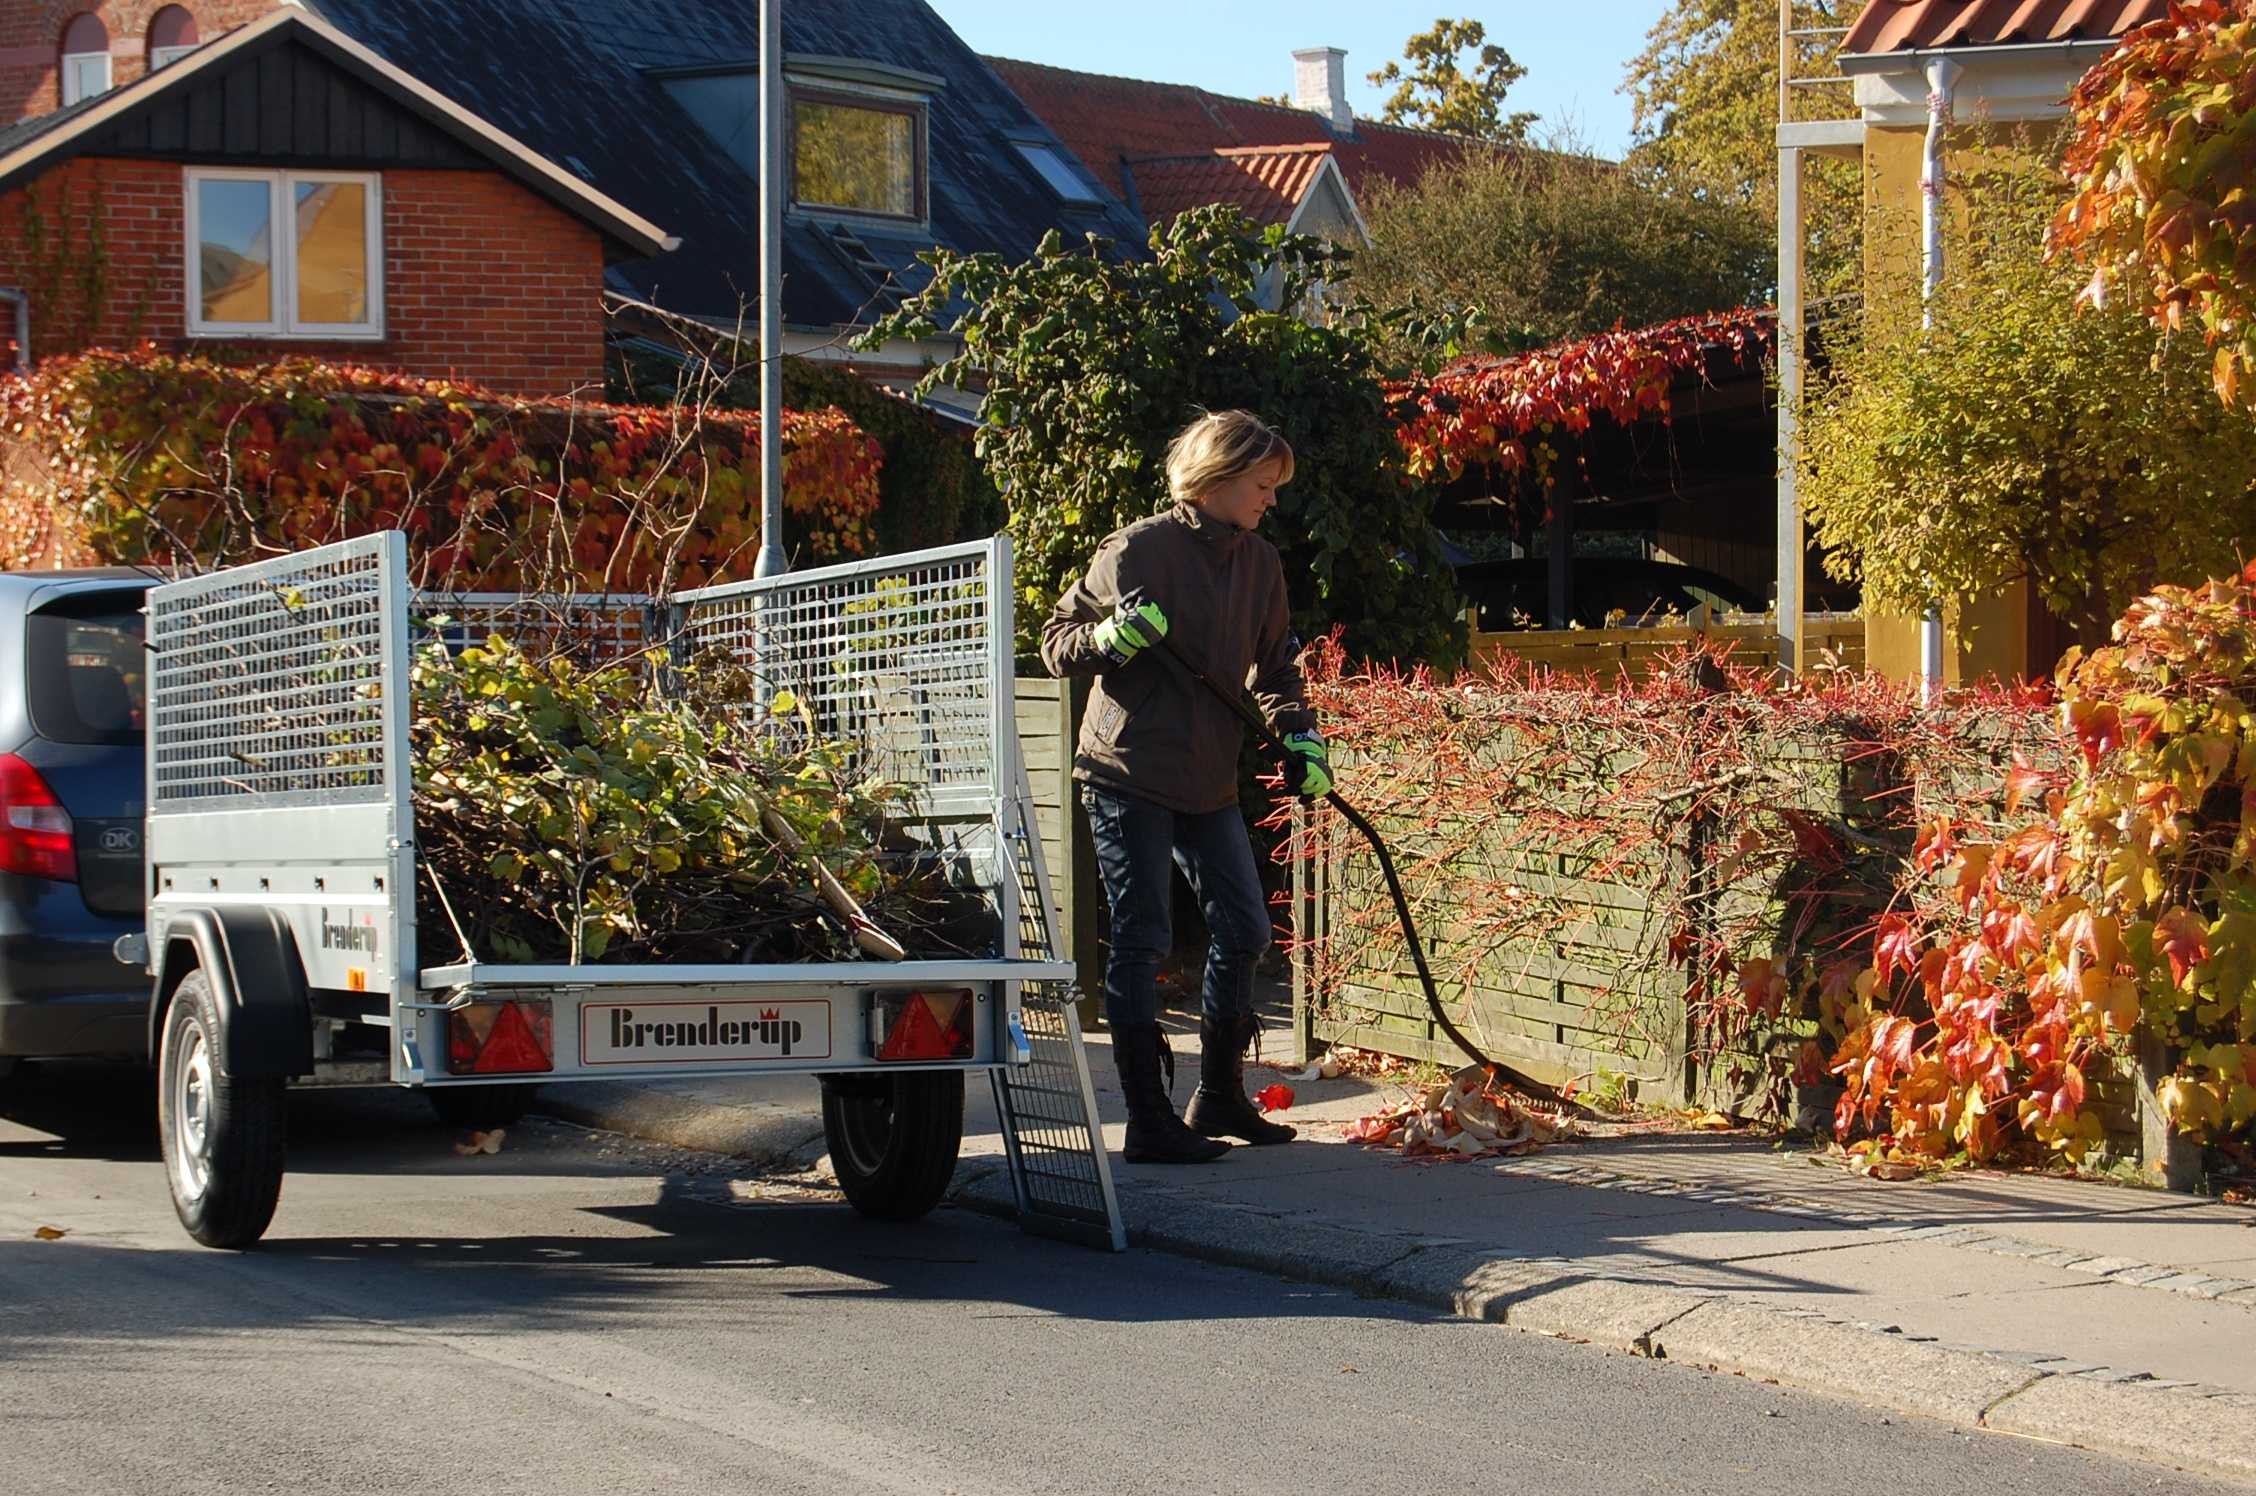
[(595, 628), (1048, 1105), (897, 661), (266, 689), (1046, 1102)]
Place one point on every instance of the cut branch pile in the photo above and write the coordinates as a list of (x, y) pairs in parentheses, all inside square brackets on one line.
[(635, 811)]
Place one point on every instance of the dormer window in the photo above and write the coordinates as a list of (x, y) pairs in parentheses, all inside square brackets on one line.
[(172, 36), (86, 59), (852, 153)]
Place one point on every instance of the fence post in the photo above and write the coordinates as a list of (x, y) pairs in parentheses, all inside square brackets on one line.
[(1085, 914)]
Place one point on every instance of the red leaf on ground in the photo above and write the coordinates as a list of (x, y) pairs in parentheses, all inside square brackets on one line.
[(1273, 1098)]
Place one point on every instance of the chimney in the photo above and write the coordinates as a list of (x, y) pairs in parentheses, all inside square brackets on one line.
[(1320, 83)]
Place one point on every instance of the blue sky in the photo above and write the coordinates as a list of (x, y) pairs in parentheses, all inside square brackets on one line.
[(1574, 53)]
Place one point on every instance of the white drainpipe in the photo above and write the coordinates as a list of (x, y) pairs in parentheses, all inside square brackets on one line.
[(1942, 76), (21, 300)]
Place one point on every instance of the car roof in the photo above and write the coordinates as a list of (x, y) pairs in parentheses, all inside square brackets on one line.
[(30, 589)]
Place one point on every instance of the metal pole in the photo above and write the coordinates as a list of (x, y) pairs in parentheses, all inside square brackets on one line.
[(1942, 73), (774, 183), (1790, 324)]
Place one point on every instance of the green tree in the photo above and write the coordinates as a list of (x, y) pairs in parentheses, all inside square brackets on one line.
[(1091, 361), (1705, 93), (1435, 90), (2017, 438), (1555, 244)]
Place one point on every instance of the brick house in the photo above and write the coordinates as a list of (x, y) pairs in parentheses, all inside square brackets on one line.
[(900, 139), (55, 52), (280, 188)]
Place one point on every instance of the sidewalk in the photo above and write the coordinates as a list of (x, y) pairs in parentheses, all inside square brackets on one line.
[(2107, 1317)]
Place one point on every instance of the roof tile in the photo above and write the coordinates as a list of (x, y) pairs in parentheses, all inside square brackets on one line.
[(1106, 120), (1903, 25), (1266, 182)]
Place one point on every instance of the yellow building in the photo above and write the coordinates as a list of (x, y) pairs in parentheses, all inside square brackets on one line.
[(1928, 81)]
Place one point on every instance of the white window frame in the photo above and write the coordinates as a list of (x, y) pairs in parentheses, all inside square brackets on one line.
[(281, 202), (166, 56), (72, 61)]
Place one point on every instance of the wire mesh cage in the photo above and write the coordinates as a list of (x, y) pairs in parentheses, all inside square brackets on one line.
[(898, 658), (593, 628), (267, 683)]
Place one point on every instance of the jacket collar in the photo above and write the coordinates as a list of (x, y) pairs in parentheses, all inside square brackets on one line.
[(1210, 531)]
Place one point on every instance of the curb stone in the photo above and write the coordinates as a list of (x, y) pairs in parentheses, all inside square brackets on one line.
[(2210, 1435)]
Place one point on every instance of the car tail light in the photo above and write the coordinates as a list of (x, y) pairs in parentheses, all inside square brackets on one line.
[(921, 1025), (517, 1037), (35, 830)]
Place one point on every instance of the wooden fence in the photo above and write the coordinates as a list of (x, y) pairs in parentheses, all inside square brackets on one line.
[(1587, 977), (1049, 713)]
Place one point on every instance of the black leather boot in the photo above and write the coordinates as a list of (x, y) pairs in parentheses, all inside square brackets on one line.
[(1155, 1134), (1219, 1107)]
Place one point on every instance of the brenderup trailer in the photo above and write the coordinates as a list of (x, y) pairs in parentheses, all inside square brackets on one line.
[(282, 938)]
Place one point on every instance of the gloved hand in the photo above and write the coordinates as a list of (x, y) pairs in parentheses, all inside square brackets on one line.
[(1309, 771), (1132, 628)]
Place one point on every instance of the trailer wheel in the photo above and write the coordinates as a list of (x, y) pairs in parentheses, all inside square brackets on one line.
[(481, 1107), (222, 1137), (894, 1139)]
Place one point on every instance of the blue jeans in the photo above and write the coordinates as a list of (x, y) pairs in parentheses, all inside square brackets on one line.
[(1135, 841)]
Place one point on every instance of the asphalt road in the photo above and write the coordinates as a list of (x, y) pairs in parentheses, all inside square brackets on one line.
[(585, 1314)]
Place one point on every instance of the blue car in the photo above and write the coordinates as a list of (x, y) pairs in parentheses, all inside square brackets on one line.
[(72, 675)]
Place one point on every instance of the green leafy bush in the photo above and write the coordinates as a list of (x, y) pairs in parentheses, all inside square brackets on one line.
[(1091, 362)]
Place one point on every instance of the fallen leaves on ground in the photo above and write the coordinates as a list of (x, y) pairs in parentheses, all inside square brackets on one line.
[(1273, 1098), (1710, 1122), (1467, 1116), (481, 1142), (50, 1233)]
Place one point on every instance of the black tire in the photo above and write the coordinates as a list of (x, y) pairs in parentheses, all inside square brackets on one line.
[(894, 1139), (223, 1137), (479, 1108)]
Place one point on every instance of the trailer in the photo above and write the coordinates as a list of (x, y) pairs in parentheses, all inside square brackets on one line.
[(282, 943)]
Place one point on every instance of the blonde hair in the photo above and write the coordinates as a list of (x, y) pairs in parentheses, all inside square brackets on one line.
[(1217, 447)]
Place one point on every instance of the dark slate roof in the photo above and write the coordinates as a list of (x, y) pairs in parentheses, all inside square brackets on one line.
[(288, 91), (24, 132), (573, 80)]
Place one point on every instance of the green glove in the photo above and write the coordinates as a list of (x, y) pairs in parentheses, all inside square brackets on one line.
[(1132, 628), (1309, 771)]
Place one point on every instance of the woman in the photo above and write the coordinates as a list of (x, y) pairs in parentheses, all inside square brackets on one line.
[(1157, 761)]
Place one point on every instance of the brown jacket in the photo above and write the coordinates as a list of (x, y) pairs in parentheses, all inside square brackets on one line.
[(1151, 731)]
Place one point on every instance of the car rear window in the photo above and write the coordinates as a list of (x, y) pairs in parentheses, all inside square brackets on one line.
[(87, 672)]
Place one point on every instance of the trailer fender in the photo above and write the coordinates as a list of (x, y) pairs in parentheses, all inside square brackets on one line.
[(251, 960)]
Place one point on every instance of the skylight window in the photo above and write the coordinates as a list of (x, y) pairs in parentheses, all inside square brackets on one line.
[(1057, 173)]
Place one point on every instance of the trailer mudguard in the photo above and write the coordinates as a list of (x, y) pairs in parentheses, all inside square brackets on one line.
[(251, 960)]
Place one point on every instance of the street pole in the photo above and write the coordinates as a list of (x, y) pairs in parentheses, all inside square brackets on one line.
[(773, 184)]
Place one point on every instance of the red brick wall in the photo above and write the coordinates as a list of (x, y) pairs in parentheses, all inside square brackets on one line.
[(31, 38), (483, 281)]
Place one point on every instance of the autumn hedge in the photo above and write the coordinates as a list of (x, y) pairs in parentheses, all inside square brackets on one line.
[(151, 457)]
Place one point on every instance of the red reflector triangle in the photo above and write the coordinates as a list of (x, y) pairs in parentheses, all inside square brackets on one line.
[(918, 1033), (512, 1047)]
